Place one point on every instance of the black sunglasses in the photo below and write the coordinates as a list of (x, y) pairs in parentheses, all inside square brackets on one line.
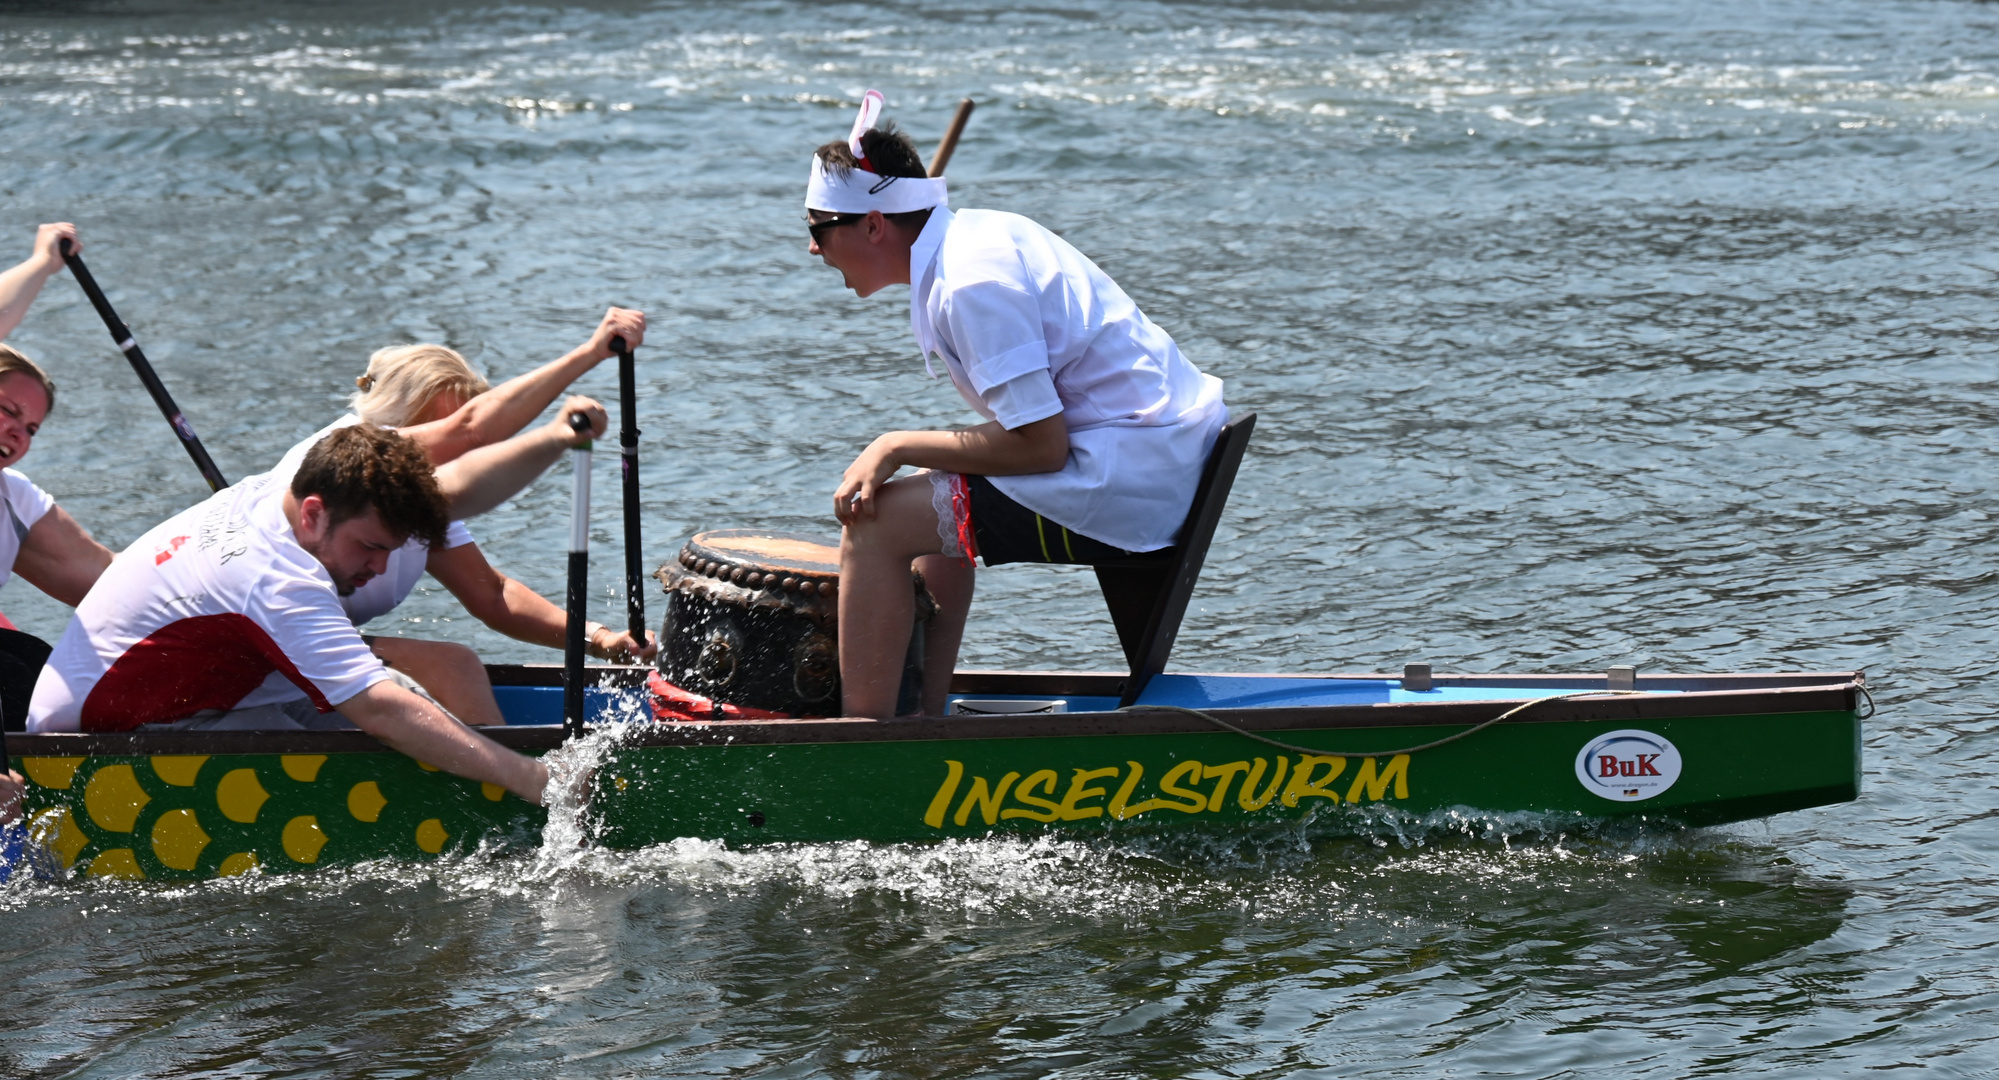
[(816, 227)]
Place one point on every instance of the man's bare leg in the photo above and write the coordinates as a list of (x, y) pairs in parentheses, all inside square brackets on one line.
[(877, 606), (451, 674), (951, 582)]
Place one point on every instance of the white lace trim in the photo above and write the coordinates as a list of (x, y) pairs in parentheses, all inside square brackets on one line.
[(948, 524)]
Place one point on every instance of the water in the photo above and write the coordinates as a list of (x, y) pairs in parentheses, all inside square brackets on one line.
[(1580, 334)]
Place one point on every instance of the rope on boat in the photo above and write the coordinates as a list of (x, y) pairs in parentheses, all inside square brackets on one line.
[(1432, 745)]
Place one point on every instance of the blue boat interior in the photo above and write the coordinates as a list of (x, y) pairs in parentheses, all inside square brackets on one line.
[(543, 704)]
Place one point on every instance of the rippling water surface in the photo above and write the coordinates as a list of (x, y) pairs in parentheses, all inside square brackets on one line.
[(1653, 333)]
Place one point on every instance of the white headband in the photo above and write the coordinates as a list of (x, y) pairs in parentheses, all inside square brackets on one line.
[(862, 189)]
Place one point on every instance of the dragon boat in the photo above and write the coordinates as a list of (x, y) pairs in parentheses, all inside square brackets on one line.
[(1671, 751), (727, 740)]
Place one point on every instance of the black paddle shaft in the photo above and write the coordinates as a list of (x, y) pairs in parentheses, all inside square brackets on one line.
[(628, 457), (572, 652), (121, 334)]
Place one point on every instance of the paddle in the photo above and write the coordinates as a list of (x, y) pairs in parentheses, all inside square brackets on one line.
[(628, 449), (579, 574), (121, 334), (943, 155)]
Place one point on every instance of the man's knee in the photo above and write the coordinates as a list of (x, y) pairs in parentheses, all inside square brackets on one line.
[(904, 525)]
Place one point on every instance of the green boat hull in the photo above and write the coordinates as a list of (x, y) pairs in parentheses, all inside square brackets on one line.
[(177, 806), (919, 790)]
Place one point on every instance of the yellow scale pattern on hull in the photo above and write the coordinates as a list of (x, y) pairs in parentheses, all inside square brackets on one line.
[(192, 815)]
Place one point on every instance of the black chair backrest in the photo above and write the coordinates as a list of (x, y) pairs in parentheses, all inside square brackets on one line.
[(1148, 593)]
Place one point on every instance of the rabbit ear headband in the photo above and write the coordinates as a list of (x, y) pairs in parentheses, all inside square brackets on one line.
[(862, 189)]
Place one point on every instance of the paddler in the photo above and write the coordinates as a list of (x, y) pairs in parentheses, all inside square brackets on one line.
[(1096, 426), (227, 615), (39, 541), (429, 394)]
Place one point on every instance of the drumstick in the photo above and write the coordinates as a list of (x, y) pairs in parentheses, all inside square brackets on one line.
[(122, 334), (579, 575), (628, 449), (950, 143)]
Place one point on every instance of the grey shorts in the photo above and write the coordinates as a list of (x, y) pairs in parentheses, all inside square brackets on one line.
[(295, 715)]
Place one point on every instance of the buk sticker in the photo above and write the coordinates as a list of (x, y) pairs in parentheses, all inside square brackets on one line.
[(1628, 766)]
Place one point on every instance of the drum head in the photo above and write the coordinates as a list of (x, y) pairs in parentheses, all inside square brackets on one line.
[(812, 557)]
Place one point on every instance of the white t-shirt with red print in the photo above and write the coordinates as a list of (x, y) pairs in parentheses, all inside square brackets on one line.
[(218, 607)]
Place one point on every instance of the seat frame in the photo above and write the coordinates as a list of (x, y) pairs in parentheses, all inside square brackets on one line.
[(1148, 594)]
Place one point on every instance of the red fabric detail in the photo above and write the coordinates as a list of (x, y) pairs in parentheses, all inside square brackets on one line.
[(6, 623), (202, 662), (167, 552), (961, 508), (671, 704)]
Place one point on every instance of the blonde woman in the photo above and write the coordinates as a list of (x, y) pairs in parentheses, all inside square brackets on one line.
[(430, 394), (39, 541)]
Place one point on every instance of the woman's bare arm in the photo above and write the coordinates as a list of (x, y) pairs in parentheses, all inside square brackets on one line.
[(60, 558), (504, 410), (23, 282), (517, 611)]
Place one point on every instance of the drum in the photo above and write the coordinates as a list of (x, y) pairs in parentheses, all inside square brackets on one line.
[(753, 619)]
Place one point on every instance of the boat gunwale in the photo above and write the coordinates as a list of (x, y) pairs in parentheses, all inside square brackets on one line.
[(1825, 696)]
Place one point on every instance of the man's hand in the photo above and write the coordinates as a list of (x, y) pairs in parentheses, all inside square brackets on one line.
[(854, 499), (12, 787), (566, 434), (619, 648), (618, 323), (425, 732), (48, 247)]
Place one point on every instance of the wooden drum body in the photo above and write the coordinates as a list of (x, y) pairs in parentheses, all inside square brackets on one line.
[(753, 619)]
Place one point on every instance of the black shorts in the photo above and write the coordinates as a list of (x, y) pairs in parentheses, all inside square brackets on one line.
[(1007, 532)]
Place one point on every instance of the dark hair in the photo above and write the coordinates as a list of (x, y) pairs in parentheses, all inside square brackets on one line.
[(362, 467), (891, 153)]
